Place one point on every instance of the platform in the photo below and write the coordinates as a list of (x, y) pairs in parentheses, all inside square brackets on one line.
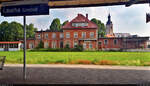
[(74, 74)]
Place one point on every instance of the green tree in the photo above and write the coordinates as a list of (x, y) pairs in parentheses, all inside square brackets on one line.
[(3, 30), (55, 25), (40, 45), (31, 30), (65, 22), (14, 31), (101, 27)]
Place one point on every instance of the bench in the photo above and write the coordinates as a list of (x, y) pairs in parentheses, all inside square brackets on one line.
[(2, 61)]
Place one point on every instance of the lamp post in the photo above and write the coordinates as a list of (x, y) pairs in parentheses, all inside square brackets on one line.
[(24, 49)]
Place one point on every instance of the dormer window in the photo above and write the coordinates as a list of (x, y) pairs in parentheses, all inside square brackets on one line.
[(84, 24)]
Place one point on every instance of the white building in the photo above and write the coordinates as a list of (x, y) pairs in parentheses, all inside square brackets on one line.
[(122, 35), (10, 46)]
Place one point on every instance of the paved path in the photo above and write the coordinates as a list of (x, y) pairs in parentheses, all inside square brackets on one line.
[(74, 74)]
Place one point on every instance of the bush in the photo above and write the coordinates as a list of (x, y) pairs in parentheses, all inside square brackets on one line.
[(54, 49), (84, 62), (107, 62), (72, 62), (47, 49), (146, 64), (77, 48), (40, 45), (60, 62)]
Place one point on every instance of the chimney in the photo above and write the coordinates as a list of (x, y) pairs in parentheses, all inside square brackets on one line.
[(87, 16)]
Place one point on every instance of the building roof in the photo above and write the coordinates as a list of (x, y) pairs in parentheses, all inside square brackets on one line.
[(80, 19), (9, 42), (48, 31), (108, 35), (136, 38)]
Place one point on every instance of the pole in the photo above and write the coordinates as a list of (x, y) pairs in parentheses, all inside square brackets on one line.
[(24, 49)]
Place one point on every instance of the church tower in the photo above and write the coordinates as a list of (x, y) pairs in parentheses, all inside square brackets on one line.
[(109, 26)]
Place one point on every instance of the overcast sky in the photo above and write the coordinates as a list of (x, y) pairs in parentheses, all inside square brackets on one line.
[(125, 19)]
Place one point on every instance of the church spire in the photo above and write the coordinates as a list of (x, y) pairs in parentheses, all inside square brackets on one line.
[(109, 26), (109, 19)]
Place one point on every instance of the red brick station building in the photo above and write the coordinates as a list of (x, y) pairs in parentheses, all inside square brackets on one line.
[(82, 31)]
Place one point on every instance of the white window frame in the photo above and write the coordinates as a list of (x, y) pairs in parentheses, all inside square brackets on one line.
[(39, 36), (90, 45), (67, 34), (61, 35), (80, 24), (75, 34), (46, 36), (116, 41), (53, 35), (75, 43), (46, 44), (83, 34), (31, 46), (105, 43), (68, 42), (91, 34), (54, 43), (84, 45)]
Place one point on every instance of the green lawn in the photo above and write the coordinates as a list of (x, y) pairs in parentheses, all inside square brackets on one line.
[(99, 58)]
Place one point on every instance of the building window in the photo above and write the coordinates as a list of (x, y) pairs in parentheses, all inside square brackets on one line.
[(75, 44), (46, 45), (90, 45), (61, 35), (54, 44), (91, 34), (54, 35), (84, 45), (61, 44), (75, 35), (115, 42), (105, 42), (79, 24), (31, 46), (99, 43), (67, 44), (67, 35), (83, 34), (38, 36), (46, 36)]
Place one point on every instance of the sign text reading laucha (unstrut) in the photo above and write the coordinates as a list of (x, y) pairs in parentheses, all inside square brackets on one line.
[(37, 9)]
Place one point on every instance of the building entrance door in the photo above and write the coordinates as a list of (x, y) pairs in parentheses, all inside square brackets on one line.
[(61, 44), (84, 45)]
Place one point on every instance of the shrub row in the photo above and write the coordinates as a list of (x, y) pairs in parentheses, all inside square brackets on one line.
[(101, 62), (77, 48), (55, 50)]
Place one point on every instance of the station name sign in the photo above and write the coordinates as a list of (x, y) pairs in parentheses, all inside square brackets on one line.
[(25, 9)]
